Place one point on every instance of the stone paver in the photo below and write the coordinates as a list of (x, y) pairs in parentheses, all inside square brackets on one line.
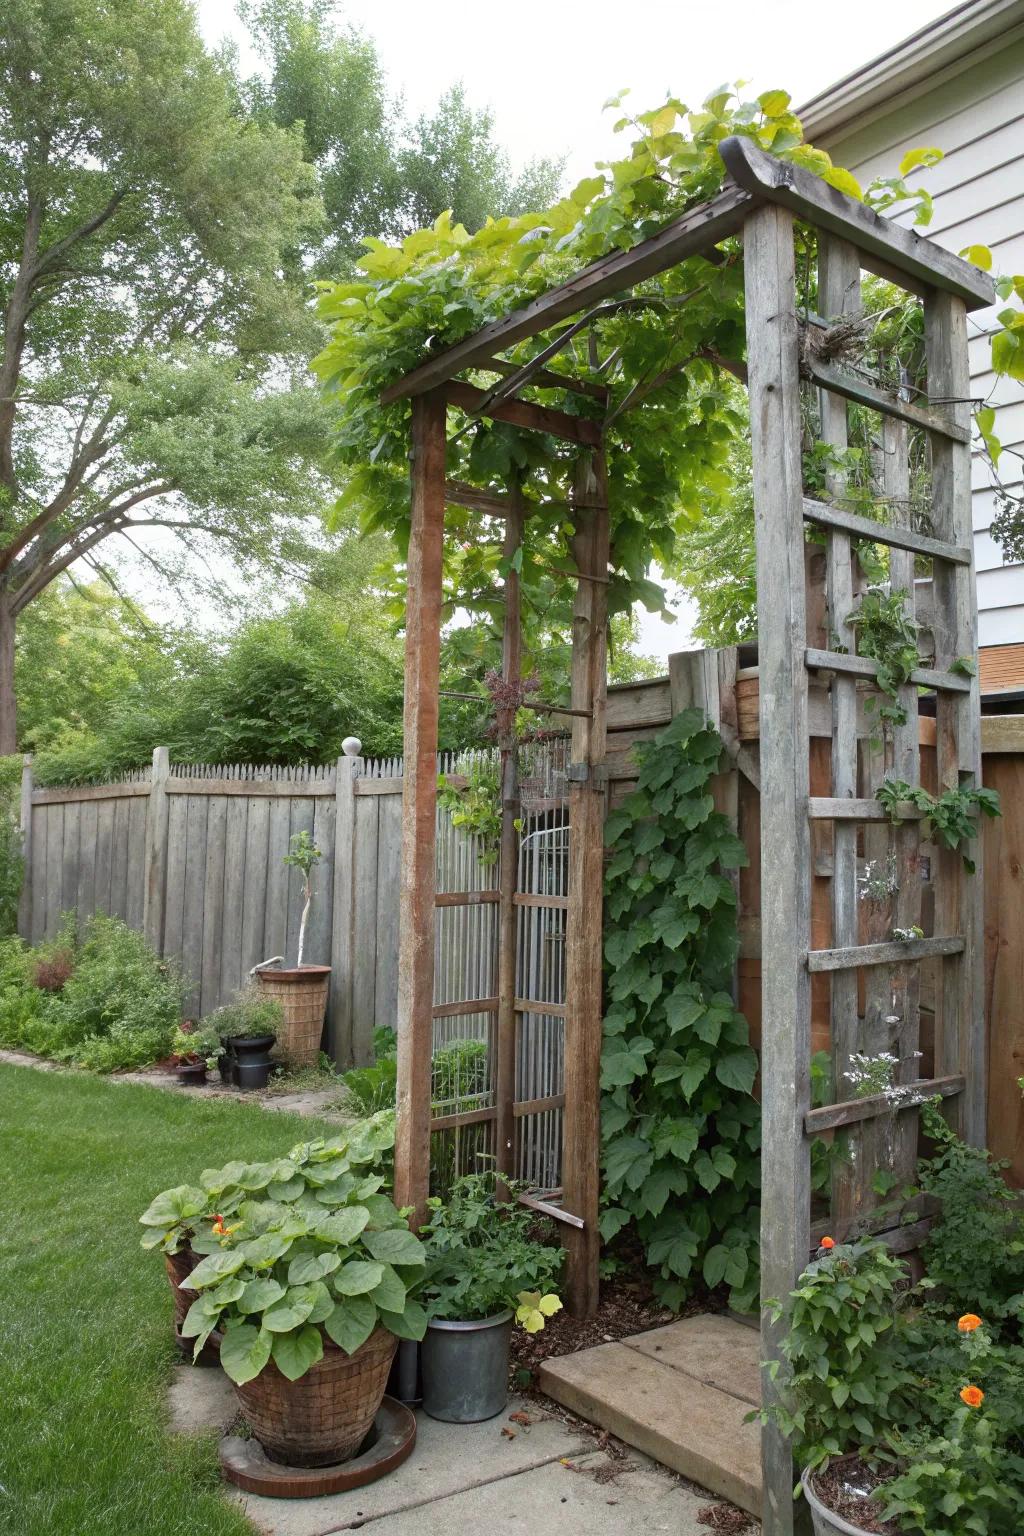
[(680, 1394)]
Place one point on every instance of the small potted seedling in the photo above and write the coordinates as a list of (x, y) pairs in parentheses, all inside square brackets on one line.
[(485, 1270), (195, 1052), (248, 1028), (301, 989)]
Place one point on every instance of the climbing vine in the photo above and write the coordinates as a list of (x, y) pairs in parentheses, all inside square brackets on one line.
[(948, 818), (681, 1130)]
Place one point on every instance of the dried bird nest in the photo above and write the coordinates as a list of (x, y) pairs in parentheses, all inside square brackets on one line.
[(842, 341)]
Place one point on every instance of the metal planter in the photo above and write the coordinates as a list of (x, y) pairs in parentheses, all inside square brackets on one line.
[(465, 1368)]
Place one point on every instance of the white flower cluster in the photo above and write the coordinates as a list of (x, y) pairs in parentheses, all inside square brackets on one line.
[(878, 884)]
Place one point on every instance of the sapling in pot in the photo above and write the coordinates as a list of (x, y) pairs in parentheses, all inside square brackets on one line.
[(301, 989), (487, 1266)]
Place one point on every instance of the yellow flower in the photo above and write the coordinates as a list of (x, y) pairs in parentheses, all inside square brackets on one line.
[(972, 1396)]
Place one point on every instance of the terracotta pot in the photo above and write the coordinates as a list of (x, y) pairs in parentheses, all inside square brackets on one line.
[(302, 992), (179, 1266), (325, 1416)]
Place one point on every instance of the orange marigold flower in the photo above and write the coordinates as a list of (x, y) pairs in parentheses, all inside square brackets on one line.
[(969, 1322), (972, 1396), (828, 1242)]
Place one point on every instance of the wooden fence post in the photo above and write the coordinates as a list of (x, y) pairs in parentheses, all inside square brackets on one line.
[(25, 897), (341, 1033), (508, 872), (419, 803), (156, 851)]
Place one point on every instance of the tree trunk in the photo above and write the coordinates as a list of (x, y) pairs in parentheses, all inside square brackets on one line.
[(8, 701)]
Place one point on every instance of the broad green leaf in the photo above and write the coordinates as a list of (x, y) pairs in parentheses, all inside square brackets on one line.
[(201, 1317), (979, 256), (216, 1267), (175, 1205), (260, 1294), (244, 1351), (358, 1277), (293, 1309), (411, 1323), (919, 157), (307, 1267), (260, 1252), (351, 1323), (396, 1246), (294, 1353), (774, 103), (737, 1069), (390, 1294), (344, 1226)]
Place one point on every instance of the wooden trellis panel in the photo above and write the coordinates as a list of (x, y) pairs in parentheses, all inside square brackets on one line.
[(874, 986)]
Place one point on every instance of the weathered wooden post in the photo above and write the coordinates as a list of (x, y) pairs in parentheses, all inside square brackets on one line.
[(419, 802), (581, 1145), (344, 1047), (25, 896), (156, 851), (508, 870)]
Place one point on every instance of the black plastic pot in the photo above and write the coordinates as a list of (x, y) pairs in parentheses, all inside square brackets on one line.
[(192, 1073), (225, 1061), (250, 1058), (465, 1368)]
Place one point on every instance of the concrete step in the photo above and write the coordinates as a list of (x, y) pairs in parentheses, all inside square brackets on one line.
[(680, 1394)]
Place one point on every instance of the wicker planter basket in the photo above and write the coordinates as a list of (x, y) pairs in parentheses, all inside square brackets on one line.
[(179, 1266), (325, 1416), (302, 992)]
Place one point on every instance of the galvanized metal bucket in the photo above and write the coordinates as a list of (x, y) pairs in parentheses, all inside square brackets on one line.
[(465, 1368)]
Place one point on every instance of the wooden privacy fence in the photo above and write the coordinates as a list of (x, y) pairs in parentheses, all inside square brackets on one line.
[(194, 857)]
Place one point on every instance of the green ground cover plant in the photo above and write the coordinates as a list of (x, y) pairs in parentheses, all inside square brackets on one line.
[(117, 1008), (85, 1331)]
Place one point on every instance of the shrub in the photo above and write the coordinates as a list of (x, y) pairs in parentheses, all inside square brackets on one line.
[(249, 1014), (12, 864), (51, 972)]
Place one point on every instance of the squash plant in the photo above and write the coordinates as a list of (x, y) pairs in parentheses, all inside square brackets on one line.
[(681, 1129)]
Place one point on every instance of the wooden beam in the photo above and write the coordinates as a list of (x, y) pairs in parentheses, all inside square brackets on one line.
[(461, 494), (465, 898), (524, 413), (824, 516), (545, 378), (865, 666), (768, 178), (895, 953), (774, 372), (692, 234), (581, 1124), (508, 861), (831, 808), (841, 381), (419, 800), (909, 1095), (77, 794)]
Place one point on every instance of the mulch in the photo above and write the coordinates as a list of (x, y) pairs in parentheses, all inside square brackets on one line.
[(628, 1306)]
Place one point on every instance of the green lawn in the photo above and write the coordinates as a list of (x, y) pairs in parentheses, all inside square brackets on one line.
[(86, 1348)]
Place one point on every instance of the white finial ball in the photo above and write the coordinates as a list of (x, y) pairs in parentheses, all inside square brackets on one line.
[(351, 746)]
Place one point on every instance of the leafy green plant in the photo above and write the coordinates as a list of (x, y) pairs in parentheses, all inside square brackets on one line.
[(305, 1243), (947, 817), (191, 1045), (887, 633), (369, 1089), (474, 806), (303, 855), (12, 865), (847, 1382), (117, 1008), (680, 1126), (250, 1013), (974, 1251), (483, 1256)]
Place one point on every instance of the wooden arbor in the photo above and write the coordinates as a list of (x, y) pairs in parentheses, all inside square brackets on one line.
[(760, 200)]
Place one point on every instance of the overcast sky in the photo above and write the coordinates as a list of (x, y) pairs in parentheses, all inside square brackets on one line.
[(546, 67)]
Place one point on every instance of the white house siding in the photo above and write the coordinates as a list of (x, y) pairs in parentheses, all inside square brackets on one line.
[(977, 119)]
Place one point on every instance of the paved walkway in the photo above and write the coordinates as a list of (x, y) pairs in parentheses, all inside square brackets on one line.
[(539, 1478)]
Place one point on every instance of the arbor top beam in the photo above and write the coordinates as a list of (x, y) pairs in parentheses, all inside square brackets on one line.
[(900, 253), (754, 177)]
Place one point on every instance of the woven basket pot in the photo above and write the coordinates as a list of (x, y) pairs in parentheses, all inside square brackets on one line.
[(179, 1266), (325, 1416), (302, 992)]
